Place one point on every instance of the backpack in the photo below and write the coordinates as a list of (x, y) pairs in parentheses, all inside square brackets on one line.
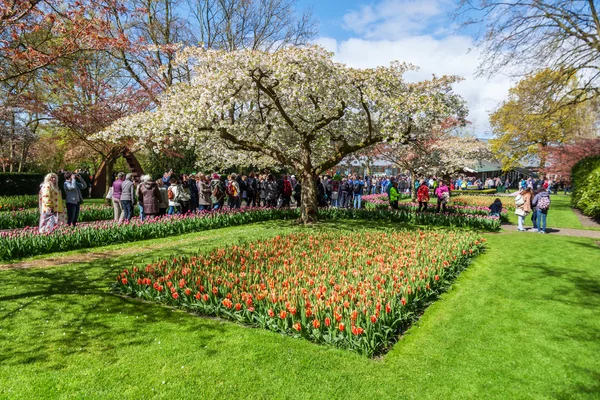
[(217, 191), (231, 190), (170, 194), (388, 189), (543, 203), (287, 188), (519, 200), (357, 187)]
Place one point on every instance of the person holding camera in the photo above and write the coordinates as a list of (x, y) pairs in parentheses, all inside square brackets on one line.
[(74, 183)]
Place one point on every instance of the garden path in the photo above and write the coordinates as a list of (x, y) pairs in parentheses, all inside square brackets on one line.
[(586, 221), (560, 231)]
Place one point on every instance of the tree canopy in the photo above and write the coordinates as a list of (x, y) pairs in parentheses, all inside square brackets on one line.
[(525, 128), (294, 107)]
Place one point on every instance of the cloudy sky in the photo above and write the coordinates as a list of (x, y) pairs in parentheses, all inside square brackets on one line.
[(370, 33)]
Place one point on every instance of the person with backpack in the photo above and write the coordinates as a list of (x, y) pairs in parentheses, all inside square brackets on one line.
[(423, 195), (335, 192), (217, 192), (345, 193), (357, 187), (232, 189), (174, 193), (541, 202)]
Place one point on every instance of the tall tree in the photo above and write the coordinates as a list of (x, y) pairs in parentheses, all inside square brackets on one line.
[(293, 107), (525, 127), (561, 159), (525, 36)]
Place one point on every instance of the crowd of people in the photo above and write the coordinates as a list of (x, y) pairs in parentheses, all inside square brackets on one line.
[(182, 193)]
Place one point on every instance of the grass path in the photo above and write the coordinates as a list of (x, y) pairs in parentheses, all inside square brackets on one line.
[(521, 322)]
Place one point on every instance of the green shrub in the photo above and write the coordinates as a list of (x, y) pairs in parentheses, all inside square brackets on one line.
[(13, 184), (585, 177)]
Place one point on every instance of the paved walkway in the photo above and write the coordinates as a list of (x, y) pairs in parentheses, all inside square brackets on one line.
[(559, 231), (586, 221)]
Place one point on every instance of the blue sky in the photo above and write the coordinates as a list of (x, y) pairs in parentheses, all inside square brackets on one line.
[(421, 32)]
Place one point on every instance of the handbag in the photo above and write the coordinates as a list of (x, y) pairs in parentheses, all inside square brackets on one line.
[(521, 212), (48, 222), (109, 196)]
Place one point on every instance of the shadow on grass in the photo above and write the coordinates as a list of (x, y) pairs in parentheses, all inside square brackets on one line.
[(590, 390), (585, 290), (79, 311)]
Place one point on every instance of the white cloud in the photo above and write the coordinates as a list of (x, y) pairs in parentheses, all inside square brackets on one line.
[(447, 56), (417, 32), (392, 19)]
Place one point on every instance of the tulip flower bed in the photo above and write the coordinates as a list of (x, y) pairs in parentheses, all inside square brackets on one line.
[(31, 217), (381, 198), (29, 242), (11, 203), (383, 203), (486, 222), (508, 202), (356, 292)]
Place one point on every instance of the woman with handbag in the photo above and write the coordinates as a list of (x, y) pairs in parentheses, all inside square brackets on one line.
[(523, 206), (52, 210)]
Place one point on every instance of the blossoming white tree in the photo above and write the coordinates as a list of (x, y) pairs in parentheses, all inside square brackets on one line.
[(294, 107)]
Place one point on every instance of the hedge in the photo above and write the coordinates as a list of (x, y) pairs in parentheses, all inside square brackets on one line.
[(14, 184), (585, 177)]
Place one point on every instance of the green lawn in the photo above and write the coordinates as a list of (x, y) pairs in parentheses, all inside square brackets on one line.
[(520, 322), (560, 214)]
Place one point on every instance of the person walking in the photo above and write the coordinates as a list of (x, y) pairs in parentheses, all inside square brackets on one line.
[(423, 195), (116, 197), (443, 195), (73, 185), (52, 211), (523, 206), (541, 202), (127, 197), (149, 196)]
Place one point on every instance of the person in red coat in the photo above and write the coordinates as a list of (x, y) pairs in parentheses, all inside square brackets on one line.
[(423, 195)]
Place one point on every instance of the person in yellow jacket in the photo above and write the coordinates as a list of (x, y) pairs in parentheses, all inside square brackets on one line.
[(394, 195), (52, 209)]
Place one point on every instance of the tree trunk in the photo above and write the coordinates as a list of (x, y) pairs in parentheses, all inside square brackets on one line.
[(308, 199), (413, 192), (110, 166)]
